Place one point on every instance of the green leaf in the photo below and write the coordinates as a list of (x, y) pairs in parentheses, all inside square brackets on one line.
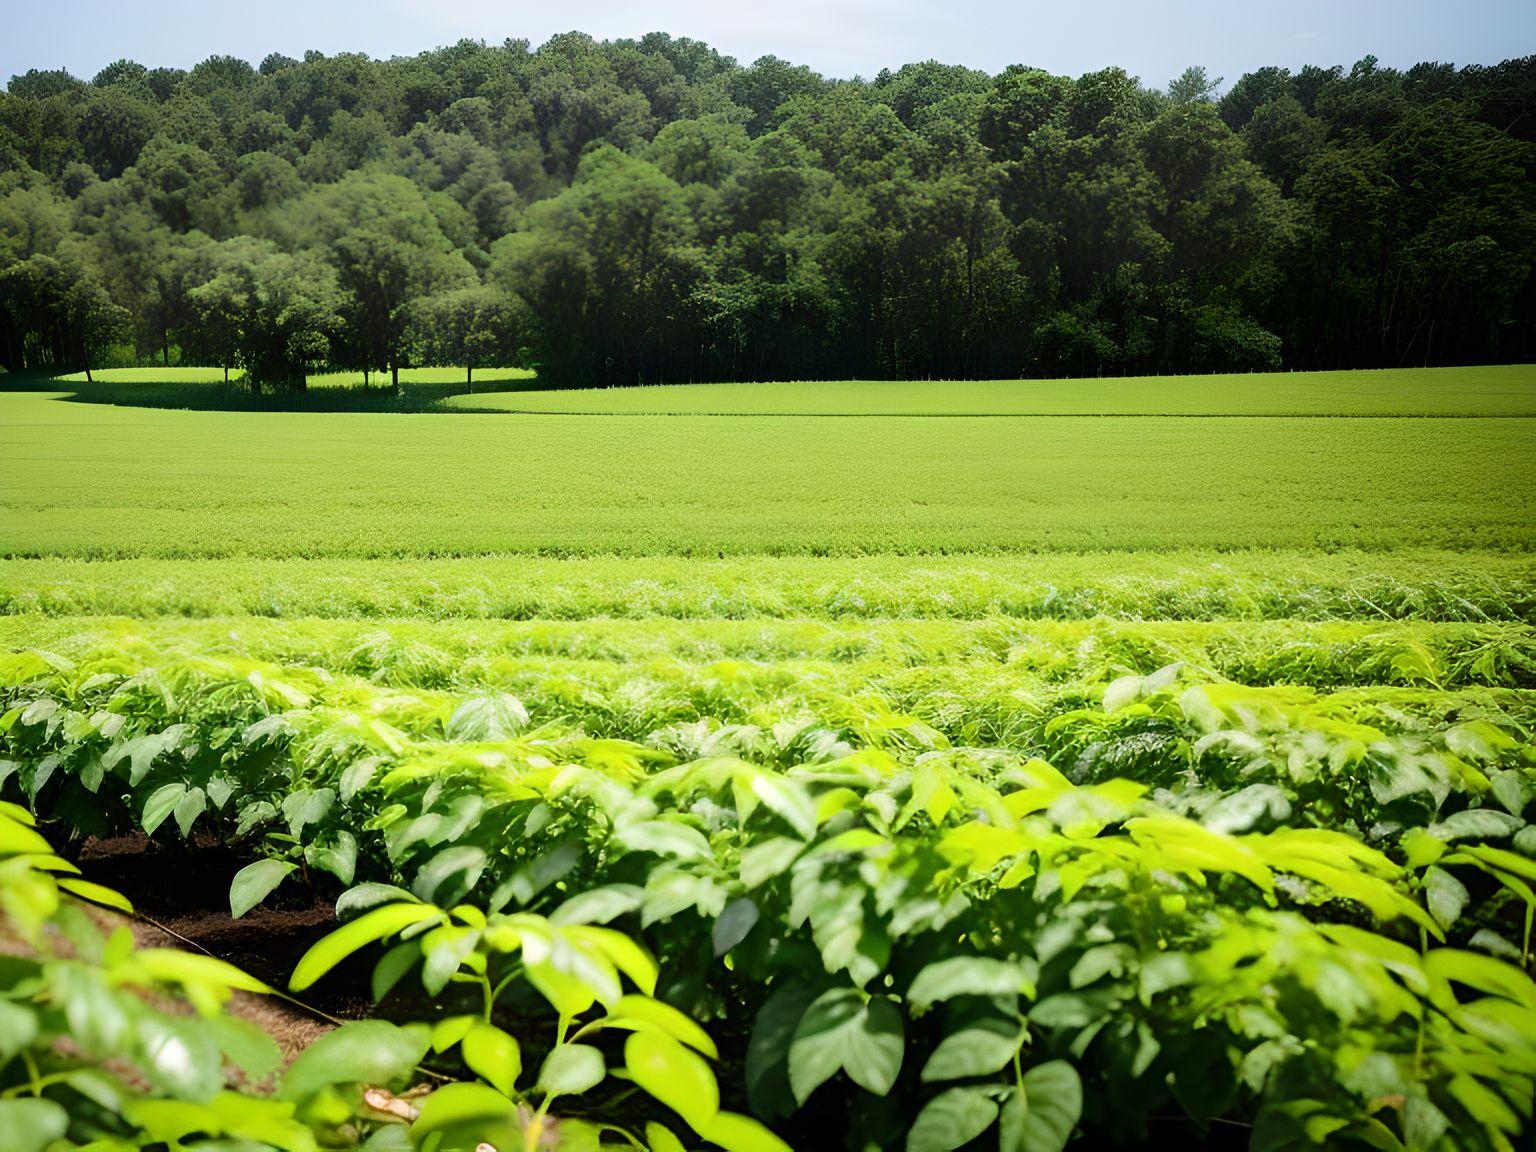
[(762, 862), (18, 1028), (464, 862), (491, 1054), (737, 1133), (1445, 895), (634, 1009), (952, 1119), (365, 930), (191, 806), (599, 905), (841, 1031), (493, 716), (468, 1115), (392, 967), (659, 1138), (339, 858), (254, 883), (664, 838), (572, 1069), (95, 893), (675, 1075), (965, 976), (978, 1050), (161, 803), (31, 1125), (1476, 824), (307, 807), (359, 1052), (768, 1089), (732, 925), (1041, 1116), (787, 799)]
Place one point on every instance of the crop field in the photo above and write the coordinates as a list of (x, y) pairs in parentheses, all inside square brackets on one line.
[(686, 781), (1508, 390), (118, 481)]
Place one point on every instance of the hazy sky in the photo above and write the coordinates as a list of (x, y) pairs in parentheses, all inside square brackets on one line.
[(1153, 40)]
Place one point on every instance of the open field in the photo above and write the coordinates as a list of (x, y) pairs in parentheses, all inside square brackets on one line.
[(1133, 770), (1486, 391), (75, 480)]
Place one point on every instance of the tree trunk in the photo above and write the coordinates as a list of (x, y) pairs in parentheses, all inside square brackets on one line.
[(394, 375), (469, 375), (226, 374), (88, 379), (365, 377), (165, 348)]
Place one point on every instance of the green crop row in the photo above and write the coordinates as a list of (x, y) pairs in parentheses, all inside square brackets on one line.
[(75, 482), (1471, 587), (834, 654), (1163, 893)]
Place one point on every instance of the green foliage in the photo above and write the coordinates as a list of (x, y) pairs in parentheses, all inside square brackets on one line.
[(1224, 898), (644, 211)]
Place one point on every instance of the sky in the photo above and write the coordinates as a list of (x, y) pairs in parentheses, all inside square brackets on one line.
[(1151, 39)]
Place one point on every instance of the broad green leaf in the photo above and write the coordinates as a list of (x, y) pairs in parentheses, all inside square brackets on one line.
[(732, 925), (491, 1054), (599, 905), (1041, 1116), (966, 976), (358, 1052), (737, 1133), (254, 883), (674, 1075), (952, 1119), (632, 1010), (572, 1069), (161, 803), (1445, 895), (31, 1125), (977, 1050), (467, 1115), (664, 838), (189, 808), (339, 857), (840, 1031), (488, 717), (463, 863)]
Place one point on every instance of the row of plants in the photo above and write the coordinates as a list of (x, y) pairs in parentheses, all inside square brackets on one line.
[(1269, 585), (439, 654), (111, 1046), (1163, 895)]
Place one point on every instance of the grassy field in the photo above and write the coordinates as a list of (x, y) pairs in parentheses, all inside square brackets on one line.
[(94, 480), (1485, 391), (1213, 740)]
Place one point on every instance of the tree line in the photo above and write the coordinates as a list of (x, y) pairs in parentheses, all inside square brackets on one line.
[(650, 210)]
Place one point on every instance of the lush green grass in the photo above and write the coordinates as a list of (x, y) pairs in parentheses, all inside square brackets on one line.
[(90, 480), (1485, 391)]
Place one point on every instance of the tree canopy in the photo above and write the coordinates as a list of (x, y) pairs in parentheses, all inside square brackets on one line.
[(650, 210)]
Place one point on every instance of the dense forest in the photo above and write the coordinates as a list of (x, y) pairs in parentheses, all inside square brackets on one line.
[(650, 210)]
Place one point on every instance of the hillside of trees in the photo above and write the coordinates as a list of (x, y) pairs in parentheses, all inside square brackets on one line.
[(650, 210)]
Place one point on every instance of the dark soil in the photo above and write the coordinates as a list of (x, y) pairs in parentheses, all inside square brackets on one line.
[(185, 895)]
